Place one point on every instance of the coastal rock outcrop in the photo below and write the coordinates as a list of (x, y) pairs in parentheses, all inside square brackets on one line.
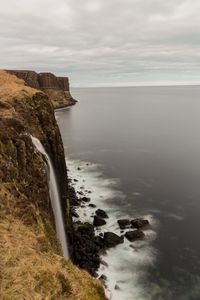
[(57, 88), (134, 235), (111, 239), (124, 223), (139, 223)]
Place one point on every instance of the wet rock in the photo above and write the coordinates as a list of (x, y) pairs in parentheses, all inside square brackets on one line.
[(78, 168), (111, 239), (104, 263), (85, 199), (99, 242), (75, 180), (98, 221), (134, 235), (74, 214), (101, 213), (92, 205), (86, 248), (103, 277), (80, 193), (139, 223), (117, 287), (124, 223)]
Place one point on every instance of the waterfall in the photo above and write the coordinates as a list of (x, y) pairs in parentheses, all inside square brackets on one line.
[(55, 199)]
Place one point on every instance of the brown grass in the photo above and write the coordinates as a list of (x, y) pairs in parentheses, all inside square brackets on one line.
[(27, 272), (11, 86)]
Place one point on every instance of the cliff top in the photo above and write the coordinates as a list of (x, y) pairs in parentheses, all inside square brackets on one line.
[(11, 86)]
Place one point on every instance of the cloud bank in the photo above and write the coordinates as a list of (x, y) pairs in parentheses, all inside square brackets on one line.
[(104, 42)]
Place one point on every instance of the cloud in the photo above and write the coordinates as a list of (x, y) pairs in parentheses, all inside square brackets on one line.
[(99, 42)]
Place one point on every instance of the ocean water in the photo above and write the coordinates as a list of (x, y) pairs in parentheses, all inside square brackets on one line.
[(138, 150)]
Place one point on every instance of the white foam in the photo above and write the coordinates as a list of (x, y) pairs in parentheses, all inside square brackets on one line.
[(126, 264)]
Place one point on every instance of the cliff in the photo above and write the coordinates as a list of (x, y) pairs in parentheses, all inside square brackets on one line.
[(31, 265), (57, 88)]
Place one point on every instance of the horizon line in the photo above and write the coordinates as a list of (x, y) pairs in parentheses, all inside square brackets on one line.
[(135, 86)]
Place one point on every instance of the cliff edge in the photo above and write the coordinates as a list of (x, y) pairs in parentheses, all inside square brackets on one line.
[(31, 264), (57, 88)]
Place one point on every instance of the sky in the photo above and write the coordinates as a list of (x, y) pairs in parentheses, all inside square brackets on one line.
[(103, 42)]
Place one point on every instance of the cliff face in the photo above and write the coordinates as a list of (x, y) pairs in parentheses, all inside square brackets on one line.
[(57, 88), (31, 266)]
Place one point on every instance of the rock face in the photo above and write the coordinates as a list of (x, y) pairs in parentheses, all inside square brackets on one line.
[(57, 88)]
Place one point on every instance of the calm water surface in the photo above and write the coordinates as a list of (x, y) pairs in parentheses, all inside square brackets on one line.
[(148, 139)]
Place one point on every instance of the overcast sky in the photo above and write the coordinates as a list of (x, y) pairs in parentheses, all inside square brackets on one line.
[(104, 42)]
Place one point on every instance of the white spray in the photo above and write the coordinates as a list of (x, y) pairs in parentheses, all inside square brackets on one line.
[(55, 199)]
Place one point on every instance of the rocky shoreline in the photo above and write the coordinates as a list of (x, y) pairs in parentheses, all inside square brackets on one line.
[(89, 246)]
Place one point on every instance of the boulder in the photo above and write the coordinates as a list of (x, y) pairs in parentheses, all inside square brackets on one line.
[(124, 223), (85, 199), (139, 223), (92, 205), (74, 214), (101, 213), (111, 239), (134, 235), (98, 221)]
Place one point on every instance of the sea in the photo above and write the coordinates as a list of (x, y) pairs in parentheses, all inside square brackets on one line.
[(135, 152)]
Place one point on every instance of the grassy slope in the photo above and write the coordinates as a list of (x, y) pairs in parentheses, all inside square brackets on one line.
[(31, 266)]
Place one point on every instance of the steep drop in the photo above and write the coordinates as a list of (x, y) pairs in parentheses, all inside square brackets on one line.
[(55, 199)]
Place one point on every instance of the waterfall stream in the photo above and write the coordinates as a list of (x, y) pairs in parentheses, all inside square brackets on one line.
[(55, 199)]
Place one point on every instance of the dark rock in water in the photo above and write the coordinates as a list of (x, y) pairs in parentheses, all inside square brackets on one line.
[(111, 239), (104, 263), (98, 221), (80, 193), (103, 277), (139, 223), (76, 180), (124, 223), (101, 234), (101, 213), (92, 205), (74, 214), (134, 235), (99, 242), (117, 287), (85, 199), (86, 247), (78, 168)]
